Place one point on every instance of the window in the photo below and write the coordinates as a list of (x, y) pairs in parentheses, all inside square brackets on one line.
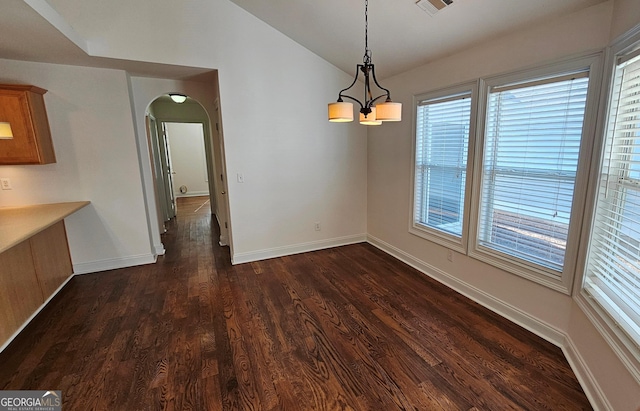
[(535, 128), (501, 168), (613, 262), (443, 127), (532, 141)]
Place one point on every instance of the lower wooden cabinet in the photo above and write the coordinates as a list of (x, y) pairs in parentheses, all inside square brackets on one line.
[(30, 273), (20, 293), (51, 258)]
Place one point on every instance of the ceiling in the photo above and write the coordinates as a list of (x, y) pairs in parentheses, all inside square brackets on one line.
[(26, 35), (401, 35)]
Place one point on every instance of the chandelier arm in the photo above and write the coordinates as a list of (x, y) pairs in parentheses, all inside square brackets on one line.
[(373, 74), (355, 79), (377, 98)]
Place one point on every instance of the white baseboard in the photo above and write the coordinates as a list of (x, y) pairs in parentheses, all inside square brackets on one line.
[(113, 263), (540, 328), (506, 310), (587, 381), (159, 249), (248, 257)]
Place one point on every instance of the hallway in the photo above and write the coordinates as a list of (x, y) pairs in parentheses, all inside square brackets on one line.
[(348, 328)]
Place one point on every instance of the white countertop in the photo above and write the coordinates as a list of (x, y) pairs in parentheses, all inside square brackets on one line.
[(20, 223)]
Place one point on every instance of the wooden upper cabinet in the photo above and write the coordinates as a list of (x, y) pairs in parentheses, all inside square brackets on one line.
[(22, 109)]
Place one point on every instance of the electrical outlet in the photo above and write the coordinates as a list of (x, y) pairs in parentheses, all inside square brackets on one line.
[(5, 184), (317, 226), (450, 255)]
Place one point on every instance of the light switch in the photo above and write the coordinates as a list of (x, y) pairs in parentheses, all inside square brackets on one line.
[(5, 184), (240, 178)]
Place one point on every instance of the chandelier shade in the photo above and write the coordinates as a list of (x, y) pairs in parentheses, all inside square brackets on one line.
[(386, 111), (389, 111), (340, 112)]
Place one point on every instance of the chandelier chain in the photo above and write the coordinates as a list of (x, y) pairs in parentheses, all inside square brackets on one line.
[(367, 52)]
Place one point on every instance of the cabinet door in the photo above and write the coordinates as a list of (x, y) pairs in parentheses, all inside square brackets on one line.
[(22, 107), (51, 258), (20, 294)]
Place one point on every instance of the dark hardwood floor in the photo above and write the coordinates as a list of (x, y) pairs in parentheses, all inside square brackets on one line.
[(348, 328)]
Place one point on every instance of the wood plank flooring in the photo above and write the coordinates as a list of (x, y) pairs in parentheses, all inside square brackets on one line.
[(348, 328)]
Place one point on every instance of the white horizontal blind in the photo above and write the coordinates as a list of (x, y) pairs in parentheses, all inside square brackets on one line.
[(442, 139), (613, 265), (532, 141)]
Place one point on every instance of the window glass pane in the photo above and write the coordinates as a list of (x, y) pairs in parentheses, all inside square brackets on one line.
[(613, 265), (532, 142), (442, 138)]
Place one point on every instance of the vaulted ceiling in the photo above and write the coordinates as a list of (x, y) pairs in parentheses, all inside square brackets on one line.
[(401, 35)]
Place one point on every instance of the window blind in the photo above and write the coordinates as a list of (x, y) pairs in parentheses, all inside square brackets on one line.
[(442, 139), (613, 264), (532, 141)]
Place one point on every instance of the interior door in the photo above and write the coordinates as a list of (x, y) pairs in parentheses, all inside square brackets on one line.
[(158, 175), (170, 199), (211, 167), (222, 203)]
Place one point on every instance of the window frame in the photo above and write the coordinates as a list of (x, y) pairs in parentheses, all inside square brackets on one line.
[(560, 281), (626, 349), (449, 240)]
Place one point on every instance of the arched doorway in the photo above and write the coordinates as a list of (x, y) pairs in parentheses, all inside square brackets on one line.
[(162, 113)]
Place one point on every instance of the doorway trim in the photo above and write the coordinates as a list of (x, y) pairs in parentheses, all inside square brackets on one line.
[(222, 195), (216, 167)]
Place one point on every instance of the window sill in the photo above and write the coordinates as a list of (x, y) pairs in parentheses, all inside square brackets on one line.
[(439, 237), (530, 272)]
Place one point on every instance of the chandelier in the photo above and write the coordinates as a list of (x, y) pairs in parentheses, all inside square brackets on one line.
[(370, 114)]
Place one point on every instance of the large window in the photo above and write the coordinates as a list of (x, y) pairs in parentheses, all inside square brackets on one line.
[(536, 130), (531, 146), (443, 127), (613, 263), (500, 171)]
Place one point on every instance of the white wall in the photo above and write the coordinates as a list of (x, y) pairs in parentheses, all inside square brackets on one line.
[(389, 152), (188, 162), (551, 314), (94, 141), (298, 168), (626, 14)]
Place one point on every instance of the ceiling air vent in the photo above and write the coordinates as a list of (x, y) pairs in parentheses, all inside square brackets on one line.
[(433, 6)]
